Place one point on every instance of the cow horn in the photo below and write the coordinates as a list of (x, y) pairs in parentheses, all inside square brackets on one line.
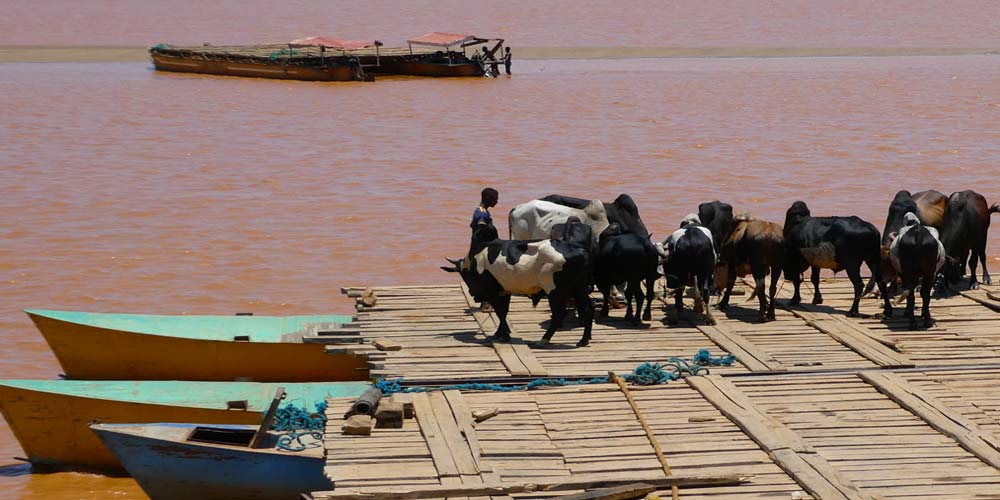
[(453, 261)]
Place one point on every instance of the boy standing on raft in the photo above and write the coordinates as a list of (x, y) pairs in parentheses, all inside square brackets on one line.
[(488, 199)]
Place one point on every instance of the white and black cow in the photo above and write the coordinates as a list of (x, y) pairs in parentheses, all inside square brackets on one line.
[(963, 232), (929, 206), (622, 211), (917, 254), (691, 260), (631, 258), (494, 269), (837, 243)]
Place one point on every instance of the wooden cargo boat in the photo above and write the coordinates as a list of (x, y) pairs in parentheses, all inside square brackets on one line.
[(49, 418), (185, 461), (444, 60), (302, 59), (98, 346)]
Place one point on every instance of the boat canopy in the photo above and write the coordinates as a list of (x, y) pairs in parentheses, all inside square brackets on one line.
[(334, 43), (438, 39)]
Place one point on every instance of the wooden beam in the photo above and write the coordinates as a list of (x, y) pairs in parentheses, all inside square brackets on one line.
[(788, 450), (559, 483), (674, 493), (626, 492), (751, 356), (265, 425), (981, 443), (877, 352)]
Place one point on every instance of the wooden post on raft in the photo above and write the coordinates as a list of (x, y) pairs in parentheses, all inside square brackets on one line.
[(674, 492)]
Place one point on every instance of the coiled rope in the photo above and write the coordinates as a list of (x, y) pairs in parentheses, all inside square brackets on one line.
[(298, 423)]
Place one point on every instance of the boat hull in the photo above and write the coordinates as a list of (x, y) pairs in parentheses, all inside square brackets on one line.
[(52, 426), (334, 73), (417, 68), (93, 352), (168, 468)]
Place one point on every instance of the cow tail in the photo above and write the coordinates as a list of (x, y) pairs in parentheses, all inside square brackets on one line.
[(995, 209)]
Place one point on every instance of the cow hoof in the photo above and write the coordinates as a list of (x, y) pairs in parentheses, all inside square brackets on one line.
[(583, 343), (710, 322), (629, 316), (817, 300), (852, 314), (987, 280), (723, 306), (795, 301), (542, 343), (647, 317), (974, 285), (501, 338), (928, 322)]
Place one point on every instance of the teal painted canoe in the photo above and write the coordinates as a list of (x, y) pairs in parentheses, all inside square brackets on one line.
[(49, 417), (101, 346)]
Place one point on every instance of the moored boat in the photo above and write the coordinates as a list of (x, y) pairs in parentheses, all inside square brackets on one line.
[(49, 417), (445, 60), (101, 346), (302, 59), (185, 461)]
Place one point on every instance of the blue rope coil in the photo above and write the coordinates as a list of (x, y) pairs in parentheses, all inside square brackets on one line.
[(644, 374), (298, 423)]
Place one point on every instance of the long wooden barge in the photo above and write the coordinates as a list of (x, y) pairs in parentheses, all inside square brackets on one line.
[(328, 59)]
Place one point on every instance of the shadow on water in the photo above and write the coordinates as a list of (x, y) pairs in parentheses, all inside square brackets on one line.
[(15, 470)]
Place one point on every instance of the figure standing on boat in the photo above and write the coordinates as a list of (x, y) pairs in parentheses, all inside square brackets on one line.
[(488, 199)]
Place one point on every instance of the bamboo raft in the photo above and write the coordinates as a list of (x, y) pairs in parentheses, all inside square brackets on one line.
[(818, 405)]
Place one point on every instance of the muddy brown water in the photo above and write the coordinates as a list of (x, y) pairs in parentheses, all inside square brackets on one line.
[(128, 190)]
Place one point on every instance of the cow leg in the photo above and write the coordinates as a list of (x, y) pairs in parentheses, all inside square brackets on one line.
[(585, 312), (500, 306), (730, 283), (650, 288), (854, 273), (973, 281), (925, 294), (703, 296), (637, 293), (796, 278), (678, 304), (606, 308), (557, 304), (758, 290), (909, 285), (817, 297), (982, 260), (630, 293), (775, 276)]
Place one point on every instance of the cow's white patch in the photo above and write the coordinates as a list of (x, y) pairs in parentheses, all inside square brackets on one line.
[(824, 256), (532, 273), (535, 219)]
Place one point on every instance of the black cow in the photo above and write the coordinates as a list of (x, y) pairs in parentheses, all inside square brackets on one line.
[(929, 206), (623, 210), (917, 254), (718, 218), (493, 269), (575, 231), (837, 243), (964, 232), (627, 258), (691, 260)]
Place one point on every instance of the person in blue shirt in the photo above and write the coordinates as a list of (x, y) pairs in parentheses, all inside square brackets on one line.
[(489, 199)]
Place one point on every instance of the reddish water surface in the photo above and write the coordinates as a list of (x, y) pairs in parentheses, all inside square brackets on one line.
[(572, 23), (128, 190)]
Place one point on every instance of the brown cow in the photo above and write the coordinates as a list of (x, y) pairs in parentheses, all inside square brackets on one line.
[(754, 247), (963, 234)]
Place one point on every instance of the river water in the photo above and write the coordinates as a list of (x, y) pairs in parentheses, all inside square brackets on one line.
[(128, 190)]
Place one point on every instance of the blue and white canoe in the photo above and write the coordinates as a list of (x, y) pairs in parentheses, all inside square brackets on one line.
[(212, 462)]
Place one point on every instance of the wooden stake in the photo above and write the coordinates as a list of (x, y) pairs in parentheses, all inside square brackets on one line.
[(674, 492)]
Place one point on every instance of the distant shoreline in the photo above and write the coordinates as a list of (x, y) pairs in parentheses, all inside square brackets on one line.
[(97, 53)]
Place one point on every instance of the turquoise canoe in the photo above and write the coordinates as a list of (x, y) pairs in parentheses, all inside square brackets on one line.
[(49, 417), (102, 346)]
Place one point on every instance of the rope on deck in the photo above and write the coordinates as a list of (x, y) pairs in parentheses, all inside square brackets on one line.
[(644, 374), (298, 423)]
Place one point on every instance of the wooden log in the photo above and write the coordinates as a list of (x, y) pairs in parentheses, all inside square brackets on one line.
[(483, 415), (626, 492), (541, 484)]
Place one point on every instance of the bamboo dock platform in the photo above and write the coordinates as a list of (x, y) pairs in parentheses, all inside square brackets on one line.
[(818, 405), (442, 335)]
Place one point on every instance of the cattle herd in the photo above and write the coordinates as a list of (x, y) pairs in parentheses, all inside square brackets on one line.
[(561, 247)]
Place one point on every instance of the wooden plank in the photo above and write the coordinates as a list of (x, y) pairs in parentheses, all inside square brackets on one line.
[(487, 325), (937, 414), (453, 437), (524, 355), (982, 298), (440, 452), (649, 432), (626, 492), (876, 352), (466, 424), (754, 358), (258, 436), (541, 484), (785, 447)]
